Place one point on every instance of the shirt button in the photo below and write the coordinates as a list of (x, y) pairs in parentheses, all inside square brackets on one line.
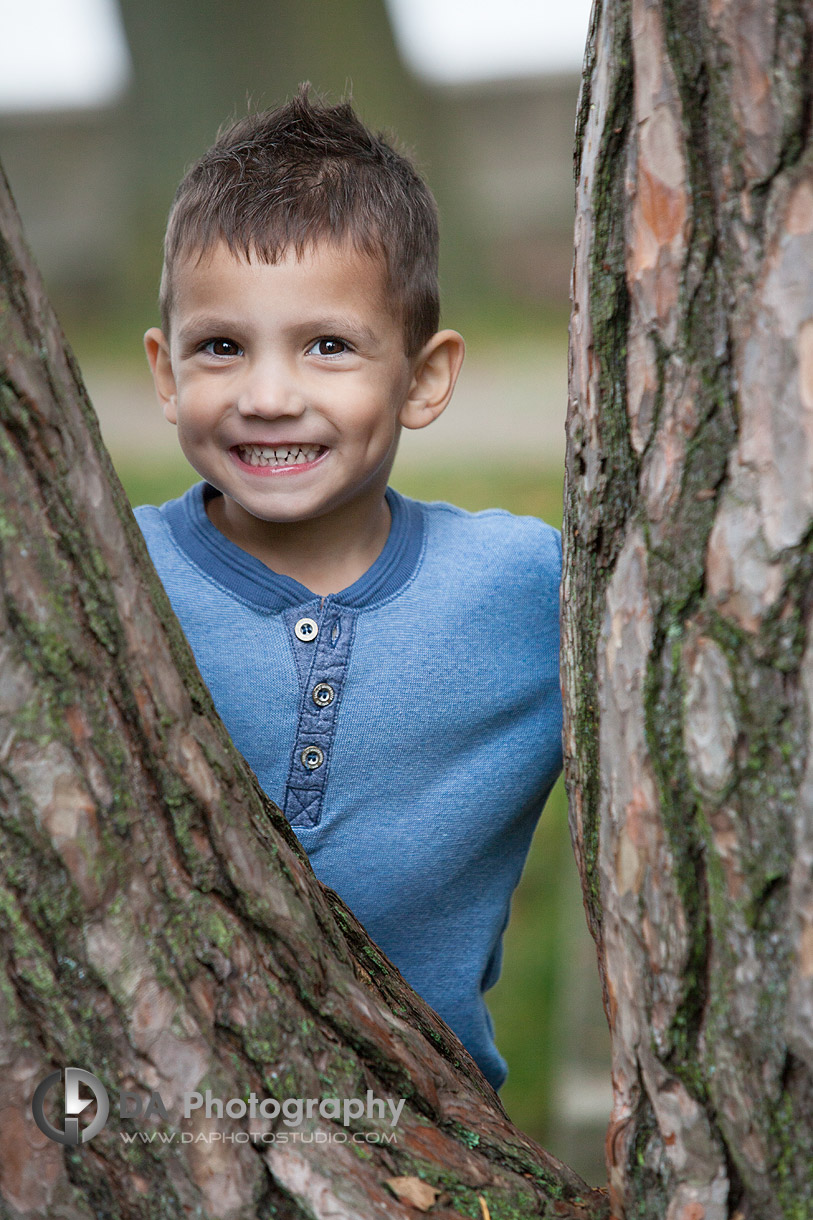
[(312, 757), (306, 629), (322, 694)]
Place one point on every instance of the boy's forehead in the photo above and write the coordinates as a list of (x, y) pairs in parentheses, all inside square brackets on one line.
[(341, 256), (326, 268)]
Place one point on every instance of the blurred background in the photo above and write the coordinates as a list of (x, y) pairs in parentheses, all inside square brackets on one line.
[(103, 105)]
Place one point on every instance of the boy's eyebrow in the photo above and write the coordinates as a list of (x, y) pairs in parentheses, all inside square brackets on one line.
[(335, 324), (206, 324)]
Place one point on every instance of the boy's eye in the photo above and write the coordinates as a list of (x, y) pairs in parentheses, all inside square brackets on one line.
[(221, 347), (328, 347)]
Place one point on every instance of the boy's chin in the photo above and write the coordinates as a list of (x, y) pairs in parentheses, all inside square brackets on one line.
[(249, 515)]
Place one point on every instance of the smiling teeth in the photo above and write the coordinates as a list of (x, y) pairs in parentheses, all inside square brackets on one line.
[(288, 455)]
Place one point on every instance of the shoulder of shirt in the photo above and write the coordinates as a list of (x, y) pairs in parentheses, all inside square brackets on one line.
[(524, 548), (147, 514), (154, 527), (151, 519), (495, 522)]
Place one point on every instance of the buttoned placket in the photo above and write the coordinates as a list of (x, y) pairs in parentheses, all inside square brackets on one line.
[(321, 639)]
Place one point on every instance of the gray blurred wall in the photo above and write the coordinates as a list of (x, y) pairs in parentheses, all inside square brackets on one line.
[(93, 188)]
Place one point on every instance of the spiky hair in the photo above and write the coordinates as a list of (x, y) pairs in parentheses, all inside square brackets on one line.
[(304, 173)]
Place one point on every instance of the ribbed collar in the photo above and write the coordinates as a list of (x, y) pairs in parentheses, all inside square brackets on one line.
[(254, 582)]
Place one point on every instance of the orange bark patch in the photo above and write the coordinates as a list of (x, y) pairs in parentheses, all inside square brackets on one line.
[(612, 1004), (78, 725), (663, 209)]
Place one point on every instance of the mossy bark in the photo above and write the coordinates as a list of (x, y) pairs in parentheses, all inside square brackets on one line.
[(160, 925), (688, 652)]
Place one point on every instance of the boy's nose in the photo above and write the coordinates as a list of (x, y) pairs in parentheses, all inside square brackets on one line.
[(269, 389)]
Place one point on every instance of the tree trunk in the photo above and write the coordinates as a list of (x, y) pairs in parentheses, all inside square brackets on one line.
[(687, 597), (161, 927)]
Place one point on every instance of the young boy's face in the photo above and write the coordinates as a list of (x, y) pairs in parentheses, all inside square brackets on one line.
[(288, 382)]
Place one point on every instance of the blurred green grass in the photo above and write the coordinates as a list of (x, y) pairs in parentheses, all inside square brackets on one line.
[(523, 1003)]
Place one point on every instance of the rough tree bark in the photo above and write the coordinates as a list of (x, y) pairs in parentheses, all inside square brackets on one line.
[(159, 923), (687, 626)]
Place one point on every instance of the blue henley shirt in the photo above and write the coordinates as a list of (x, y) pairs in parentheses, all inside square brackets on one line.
[(409, 726)]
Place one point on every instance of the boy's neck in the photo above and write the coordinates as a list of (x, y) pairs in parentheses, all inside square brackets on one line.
[(325, 554)]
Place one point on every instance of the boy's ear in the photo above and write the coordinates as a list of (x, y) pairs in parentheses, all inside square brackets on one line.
[(436, 368), (157, 349)]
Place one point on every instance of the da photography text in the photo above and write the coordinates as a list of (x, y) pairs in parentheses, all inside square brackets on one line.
[(294, 1110), (141, 1107)]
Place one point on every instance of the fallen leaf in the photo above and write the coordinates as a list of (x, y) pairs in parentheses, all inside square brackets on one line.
[(413, 1192)]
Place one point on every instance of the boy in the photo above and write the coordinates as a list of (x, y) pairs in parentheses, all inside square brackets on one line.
[(388, 668)]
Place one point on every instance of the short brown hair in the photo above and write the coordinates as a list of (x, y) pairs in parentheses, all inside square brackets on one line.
[(307, 171)]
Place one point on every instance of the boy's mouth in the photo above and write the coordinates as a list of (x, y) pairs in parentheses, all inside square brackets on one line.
[(278, 455)]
